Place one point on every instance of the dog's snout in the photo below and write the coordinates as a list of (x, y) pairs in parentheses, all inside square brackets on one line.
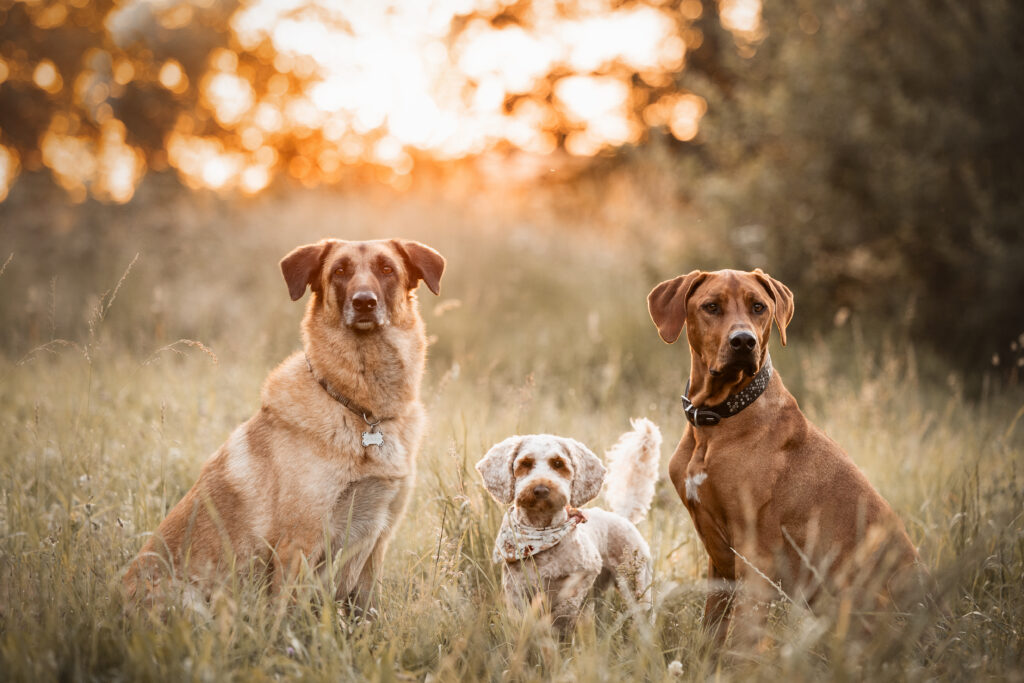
[(364, 301), (742, 340), (541, 491)]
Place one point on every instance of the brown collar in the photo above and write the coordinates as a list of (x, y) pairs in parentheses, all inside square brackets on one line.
[(359, 410)]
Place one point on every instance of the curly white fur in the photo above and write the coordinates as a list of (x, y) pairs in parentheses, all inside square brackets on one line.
[(633, 464)]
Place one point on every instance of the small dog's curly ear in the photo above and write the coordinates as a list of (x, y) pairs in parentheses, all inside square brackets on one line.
[(301, 267), (588, 472), (423, 263), (495, 469)]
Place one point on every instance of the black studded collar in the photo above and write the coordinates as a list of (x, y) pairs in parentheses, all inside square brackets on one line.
[(712, 415)]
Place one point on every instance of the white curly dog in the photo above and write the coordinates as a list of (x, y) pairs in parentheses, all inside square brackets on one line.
[(550, 548)]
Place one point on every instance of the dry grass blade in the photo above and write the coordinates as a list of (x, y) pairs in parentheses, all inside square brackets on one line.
[(49, 347), (173, 347), (107, 300), (774, 584)]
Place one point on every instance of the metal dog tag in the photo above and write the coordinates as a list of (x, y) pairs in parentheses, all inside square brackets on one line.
[(373, 439)]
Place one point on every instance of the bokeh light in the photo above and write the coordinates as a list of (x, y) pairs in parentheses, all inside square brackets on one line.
[(231, 95)]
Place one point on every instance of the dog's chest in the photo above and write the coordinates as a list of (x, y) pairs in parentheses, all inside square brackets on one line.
[(364, 509), (384, 451), (694, 480), (714, 475), (724, 490)]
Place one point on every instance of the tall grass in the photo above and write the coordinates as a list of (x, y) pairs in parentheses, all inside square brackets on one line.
[(105, 419)]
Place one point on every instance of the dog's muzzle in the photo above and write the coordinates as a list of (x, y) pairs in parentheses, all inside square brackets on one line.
[(739, 354), (363, 312), (541, 496)]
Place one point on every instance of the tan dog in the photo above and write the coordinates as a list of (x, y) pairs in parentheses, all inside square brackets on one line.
[(309, 461), (770, 495)]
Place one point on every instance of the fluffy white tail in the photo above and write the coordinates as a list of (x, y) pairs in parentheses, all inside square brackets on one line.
[(633, 464)]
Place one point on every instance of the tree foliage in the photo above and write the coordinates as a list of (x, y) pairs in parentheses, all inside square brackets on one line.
[(868, 153)]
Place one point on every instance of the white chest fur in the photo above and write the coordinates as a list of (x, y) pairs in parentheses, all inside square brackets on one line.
[(693, 483)]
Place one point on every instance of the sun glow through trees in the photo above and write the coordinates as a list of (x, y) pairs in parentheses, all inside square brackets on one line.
[(312, 89)]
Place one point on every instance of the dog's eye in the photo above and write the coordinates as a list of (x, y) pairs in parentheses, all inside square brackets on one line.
[(711, 307), (387, 270), (339, 271), (557, 464), (759, 307), (526, 464)]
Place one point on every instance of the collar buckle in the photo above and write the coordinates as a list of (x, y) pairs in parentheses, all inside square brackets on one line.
[(706, 418)]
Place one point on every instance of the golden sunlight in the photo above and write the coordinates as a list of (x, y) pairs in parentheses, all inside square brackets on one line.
[(742, 17), (387, 71), (310, 88), (47, 77), (8, 170)]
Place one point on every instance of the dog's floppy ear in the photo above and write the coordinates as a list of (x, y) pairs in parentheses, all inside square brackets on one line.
[(423, 263), (667, 303), (495, 469), (302, 267), (783, 299), (588, 472)]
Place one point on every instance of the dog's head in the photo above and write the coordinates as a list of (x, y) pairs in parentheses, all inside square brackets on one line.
[(363, 286), (728, 316), (542, 474)]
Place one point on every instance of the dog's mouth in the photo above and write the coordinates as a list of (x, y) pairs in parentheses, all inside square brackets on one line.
[(540, 505), (364, 324), (538, 515), (746, 367), (735, 368)]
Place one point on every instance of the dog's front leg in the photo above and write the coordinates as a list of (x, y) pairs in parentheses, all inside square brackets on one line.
[(366, 568), (520, 586), (567, 596), (753, 593), (286, 561), (718, 607), (634, 578), (363, 596)]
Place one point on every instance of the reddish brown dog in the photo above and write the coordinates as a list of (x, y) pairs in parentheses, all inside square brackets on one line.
[(307, 478), (771, 496)]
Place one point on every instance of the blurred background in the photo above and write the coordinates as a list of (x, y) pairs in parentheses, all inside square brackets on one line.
[(158, 158), (865, 152)]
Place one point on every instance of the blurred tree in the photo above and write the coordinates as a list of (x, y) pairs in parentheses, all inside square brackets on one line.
[(869, 155), (229, 93), (863, 150)]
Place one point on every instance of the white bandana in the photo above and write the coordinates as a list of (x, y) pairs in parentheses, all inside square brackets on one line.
[(517, 542)]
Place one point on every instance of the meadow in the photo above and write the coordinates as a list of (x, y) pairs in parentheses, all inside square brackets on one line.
[(135, 338)]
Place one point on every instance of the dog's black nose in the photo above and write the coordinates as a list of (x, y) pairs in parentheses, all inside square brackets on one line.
[(742, 341), (364, 301), (541, 491)]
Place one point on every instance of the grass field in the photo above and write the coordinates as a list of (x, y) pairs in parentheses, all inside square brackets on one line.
[(117, 383)]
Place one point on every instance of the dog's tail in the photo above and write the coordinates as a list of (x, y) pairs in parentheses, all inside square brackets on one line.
[(633, 470)]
